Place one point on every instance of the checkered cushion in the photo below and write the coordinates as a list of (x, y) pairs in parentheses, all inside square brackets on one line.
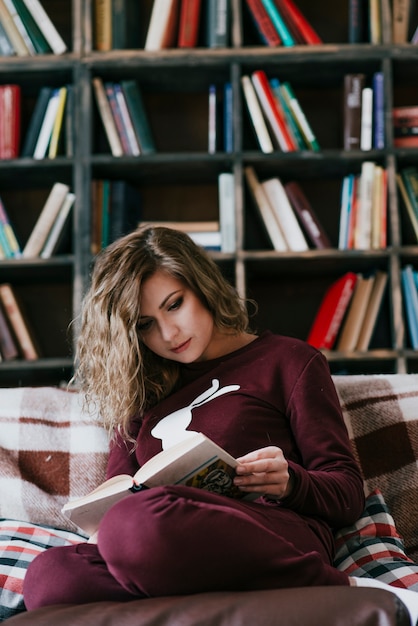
[(381, 414), (20, 543), (50, 451), (373, 548)]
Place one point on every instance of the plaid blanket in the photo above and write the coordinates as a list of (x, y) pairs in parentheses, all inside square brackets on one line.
[(381, 414), (50, 451)]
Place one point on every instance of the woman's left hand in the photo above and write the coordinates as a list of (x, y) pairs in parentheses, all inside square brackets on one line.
[(264, 471)]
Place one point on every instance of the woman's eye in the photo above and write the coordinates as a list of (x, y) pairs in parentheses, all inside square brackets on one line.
[(144, 326), (176, 304)]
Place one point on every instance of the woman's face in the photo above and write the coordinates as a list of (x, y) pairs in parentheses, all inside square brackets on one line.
[(174, 323)]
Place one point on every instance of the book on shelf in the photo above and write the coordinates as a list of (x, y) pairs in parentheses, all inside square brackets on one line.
[(45, 221), (212, 119), (348, 195), (46, 25), (186, 226), (375, 22), (237, 26), (364, 214), (37, 37), (36, 120), (57, 230), (189, 23), (401, 11), (299, 116), (125, 24), (163, 25), (12, 32), (351, 327), (8, 346), (272, 111), (386, 21), (410, 295), (356, 21), (297, 23), (195, 461), (207, 239), (11, 243), (10, 6), (352, 101), (227, 221), (256, 116), (378, 115), (282, 207), (106, 116), (57, 127), (228, 119), (406, 182), (10, 120), (19, 323), (263, 24), (133, 147), (366, 132), (265, 210), (312, 226), (218, 20), (292, 126), (45, 132), (102, 25), (332, 309), (279, 23), (6, 48), (372, 312), (405, 126), (139, 115), (110, 89)]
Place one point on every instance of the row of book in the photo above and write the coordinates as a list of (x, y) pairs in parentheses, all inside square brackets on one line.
[(276, 115), (380, 21), (47, 233), (348, 313), (27, 30), (17, 340), (364, 116), (124, 117)]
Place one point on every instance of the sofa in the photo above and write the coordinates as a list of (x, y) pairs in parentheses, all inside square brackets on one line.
[(51, 451)]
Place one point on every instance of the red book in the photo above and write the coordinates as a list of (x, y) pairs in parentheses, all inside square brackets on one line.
[(263, 23), (331, 312), (9, 121), (189, 21), (271, 111), (306, 215), (296, 21)]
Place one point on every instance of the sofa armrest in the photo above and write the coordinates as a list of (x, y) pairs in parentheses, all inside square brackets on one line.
[(316, 606)]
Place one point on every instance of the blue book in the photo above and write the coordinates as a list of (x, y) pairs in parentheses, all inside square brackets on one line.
[(378, 111), (278, 22), (345, 212), (411, 303), (228, 119)]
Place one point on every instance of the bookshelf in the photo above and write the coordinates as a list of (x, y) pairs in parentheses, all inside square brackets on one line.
[(180, 180)]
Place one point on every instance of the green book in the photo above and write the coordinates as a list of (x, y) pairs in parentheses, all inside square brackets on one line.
[(35, 34), (300, 117), (278, 23), (139, 116)]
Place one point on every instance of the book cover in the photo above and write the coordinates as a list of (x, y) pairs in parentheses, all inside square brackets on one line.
[(8, 346), (46, 25), (45, 131), (212, 119), (400, 14), (265, 210), (218, 19), (102, 25), (279, 23), (228, 118), (256, 115), (195, 461), (57, 127), (294, 18), (35, 124), (372, 311), (265, 27), (378, 111), (357, 20), (139, 116), (12, 31), (125, 21), (307, 216), (366, 131), (375, 22), (36, 35), (353, 88), (189, 22), (10, 120), (331, 312), (226, 194), (379, 207), (350, 330), (45, 221), (18, 322), (54, 237), (272, 111), (162, 28), (294, 237), (106, 116), (300, 117), (363, 224)]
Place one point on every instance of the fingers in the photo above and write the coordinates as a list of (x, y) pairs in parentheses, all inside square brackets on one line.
[(264, 471)]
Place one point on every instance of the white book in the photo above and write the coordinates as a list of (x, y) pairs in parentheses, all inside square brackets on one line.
[(45, 133), (268, 112), (12, 32), (20, 26), (256, 115), (226, 190), (127, 121), (276, 193), (159, 24), (366, 119), (266, 211), (207, 239), (46, 26), (107, 118), (363, 226), (58, 226), (45, 220)]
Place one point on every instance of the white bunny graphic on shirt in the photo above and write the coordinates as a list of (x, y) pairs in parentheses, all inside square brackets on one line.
[(172, 428)]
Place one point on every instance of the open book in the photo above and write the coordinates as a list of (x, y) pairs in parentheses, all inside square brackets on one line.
[(195, 461)]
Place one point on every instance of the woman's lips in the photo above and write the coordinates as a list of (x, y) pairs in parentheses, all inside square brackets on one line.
[(182, 347)]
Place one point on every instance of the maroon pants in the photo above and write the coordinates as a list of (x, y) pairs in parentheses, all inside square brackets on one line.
[(181, 540)]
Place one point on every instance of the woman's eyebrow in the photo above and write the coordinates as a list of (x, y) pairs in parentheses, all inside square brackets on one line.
[(168, 298)]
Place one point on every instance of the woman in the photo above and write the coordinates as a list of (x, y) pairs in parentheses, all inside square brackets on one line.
[(161, 328)]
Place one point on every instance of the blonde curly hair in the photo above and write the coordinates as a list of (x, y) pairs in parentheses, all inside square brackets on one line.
[(118, 374)]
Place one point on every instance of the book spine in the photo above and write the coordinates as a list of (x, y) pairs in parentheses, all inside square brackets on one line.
[(411, 303), (56, 231), (308, 33), (189, 22), (212, 119), (45, 132), (6, 48), (356, 19), (217, 23), (353, 322), (375, 22), (8, 346), (12, 32), (139, 116), (35, 123), (133, 144), (237, 29), (408, 205), (38, 40), (107, 117), (17, 322), (271, 111), (362, 235), (162, 29), (45, 220), (307, 216), (47, 27), (353, 87), (366, 132), (20, 26), (11, 238), (279, 23), (293, 128), (263, 23), (300, 117), (256, 115), (228, 118), (10, 106), (400, 11), (378, 111), (58, 124), (102, 18), (126, 22), (372, 312), (227, 211), (117, 117), (275, 192)]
